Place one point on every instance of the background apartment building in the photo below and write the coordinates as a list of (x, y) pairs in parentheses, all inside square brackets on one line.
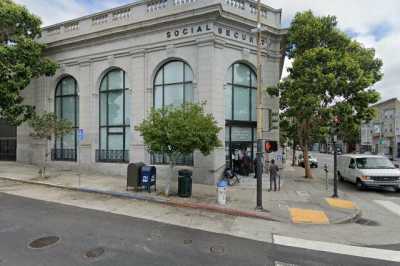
[(381, 135)]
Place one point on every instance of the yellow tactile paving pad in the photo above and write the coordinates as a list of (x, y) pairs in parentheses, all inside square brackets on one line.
[(302, 216), (339, 203)]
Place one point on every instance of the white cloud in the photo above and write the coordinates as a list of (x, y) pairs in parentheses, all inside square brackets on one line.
[(55, 11), (360, 17)]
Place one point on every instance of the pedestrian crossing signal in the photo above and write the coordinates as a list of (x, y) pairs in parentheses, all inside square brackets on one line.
[(271, 146)]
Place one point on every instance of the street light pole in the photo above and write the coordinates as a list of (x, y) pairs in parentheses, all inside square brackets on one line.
[(335, 172), (259, 113)]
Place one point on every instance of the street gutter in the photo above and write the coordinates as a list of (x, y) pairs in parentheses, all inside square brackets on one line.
[(264, 215)]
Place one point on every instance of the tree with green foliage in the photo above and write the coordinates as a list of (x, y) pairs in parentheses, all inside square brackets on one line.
[(46, 126), (178, 131), (21, 59), (288, 134), (330, 77)]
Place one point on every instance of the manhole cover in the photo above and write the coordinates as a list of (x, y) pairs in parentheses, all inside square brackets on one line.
[(95, 253), (363, 221), (187, 241), (44, 242), (217, 250)]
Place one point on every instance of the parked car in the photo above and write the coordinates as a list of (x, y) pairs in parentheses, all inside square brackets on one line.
[(368, 171), (311, 160), (338, 151)]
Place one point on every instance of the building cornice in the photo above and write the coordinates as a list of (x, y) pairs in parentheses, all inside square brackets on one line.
[(54, 36)]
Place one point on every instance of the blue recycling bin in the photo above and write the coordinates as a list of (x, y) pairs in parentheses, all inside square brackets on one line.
[(148, 176)]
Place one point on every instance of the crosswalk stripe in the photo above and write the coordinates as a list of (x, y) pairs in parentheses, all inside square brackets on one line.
[(280, 263), (372, 253), (391, 206)]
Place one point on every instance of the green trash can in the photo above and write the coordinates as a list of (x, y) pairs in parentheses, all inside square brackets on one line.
[(184, 183)]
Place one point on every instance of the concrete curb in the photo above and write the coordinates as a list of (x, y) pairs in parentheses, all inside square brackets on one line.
[(202, 206), (353, 218)]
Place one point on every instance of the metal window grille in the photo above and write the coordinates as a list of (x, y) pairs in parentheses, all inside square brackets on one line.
[(112, 156), (187, 159)]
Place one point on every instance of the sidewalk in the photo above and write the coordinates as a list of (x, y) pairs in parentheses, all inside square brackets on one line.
[(299, 200)]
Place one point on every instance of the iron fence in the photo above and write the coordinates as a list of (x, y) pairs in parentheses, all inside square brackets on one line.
[(112, 156), (63, 154), (8, 149), (187, 159)]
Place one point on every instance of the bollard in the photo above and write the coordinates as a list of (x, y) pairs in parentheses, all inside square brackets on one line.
[(222, 188)]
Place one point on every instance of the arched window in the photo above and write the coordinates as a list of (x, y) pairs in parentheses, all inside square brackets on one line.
[(114, 118), (66, 106), (173, 86), (240, 93), (240, 117)]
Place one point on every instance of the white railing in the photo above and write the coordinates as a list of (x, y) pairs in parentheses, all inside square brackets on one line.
[(183, 2), (253, 10), (235, 3), (74, 26), (122, 14), (54, 30), (156, 5), (136, 12), (99, 20)]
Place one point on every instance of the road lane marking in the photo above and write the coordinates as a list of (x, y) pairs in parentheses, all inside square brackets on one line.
[(339, 203), (280, 263), (389, 205), (372, 253), (301, 216)]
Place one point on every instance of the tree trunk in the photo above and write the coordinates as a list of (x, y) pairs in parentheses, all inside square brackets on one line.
[(294, 153), (172, 162), (307, 169), (43, 168)]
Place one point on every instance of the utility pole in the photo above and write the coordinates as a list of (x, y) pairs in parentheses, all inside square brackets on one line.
[(335, 172), (260, 166)]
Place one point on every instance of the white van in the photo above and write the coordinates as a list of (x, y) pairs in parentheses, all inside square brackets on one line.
[(368, 171)]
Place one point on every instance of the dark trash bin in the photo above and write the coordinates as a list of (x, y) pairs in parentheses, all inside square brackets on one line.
[(148, 177), (133, 175), (185, 183)]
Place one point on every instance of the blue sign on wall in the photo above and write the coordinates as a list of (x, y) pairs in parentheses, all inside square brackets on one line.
[(81, 134)]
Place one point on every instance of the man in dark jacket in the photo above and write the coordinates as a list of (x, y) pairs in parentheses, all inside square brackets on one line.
[(273, 174)]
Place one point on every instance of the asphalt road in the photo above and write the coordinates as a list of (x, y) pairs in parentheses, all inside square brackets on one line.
[(131, 241)]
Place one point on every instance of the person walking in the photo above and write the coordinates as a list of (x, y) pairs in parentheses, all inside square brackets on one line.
[(273, 173)]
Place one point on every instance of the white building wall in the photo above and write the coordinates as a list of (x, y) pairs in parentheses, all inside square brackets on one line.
[(140, 54)]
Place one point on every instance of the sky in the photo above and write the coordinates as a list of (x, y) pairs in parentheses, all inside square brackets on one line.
[(376, 24)]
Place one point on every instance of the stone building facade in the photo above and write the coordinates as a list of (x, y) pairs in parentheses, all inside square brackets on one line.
[(117, 64)]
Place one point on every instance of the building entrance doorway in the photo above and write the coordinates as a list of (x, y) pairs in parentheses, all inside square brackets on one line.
[(240, 149), (242, 157), (8, 142), (240, 118)]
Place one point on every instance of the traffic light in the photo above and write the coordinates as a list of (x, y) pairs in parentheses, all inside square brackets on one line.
[(271, 146)]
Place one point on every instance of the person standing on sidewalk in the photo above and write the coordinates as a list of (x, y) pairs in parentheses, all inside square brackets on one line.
[(273, 173)]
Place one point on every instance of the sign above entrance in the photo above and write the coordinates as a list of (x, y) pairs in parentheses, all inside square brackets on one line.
[(234, 34)]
